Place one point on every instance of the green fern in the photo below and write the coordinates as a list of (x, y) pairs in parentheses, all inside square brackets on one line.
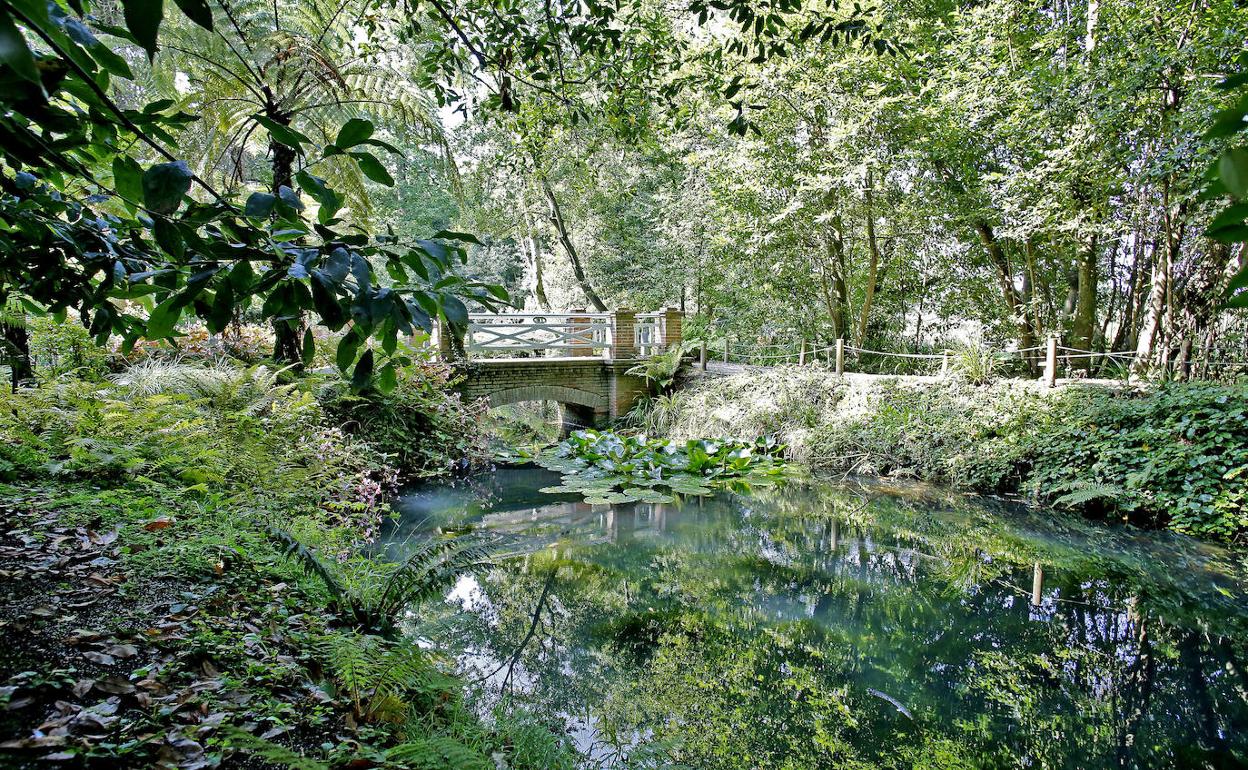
[(378, 675), (428, 572), (270, 752), (438, 753), (1084, 492)]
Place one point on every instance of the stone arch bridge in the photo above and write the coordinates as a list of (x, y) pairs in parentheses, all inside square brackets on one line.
[(578, 359)]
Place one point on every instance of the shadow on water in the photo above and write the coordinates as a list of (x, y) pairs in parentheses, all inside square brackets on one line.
[(844, 624)]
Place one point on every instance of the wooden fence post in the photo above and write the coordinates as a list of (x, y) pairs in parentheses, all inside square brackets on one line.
[(702, 356), (840, 355), (801, 355), (1050, 362), (944, 363), (725, 348)]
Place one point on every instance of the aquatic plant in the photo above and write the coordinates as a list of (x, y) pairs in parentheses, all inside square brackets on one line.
[(606, 467)]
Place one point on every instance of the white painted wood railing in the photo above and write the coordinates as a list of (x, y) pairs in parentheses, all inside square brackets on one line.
[(648, 333), (570, 333)]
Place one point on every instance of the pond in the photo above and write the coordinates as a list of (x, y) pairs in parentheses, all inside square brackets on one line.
[(845, 624)]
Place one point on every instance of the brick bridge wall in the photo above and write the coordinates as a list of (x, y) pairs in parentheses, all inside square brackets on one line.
[(588, 390)]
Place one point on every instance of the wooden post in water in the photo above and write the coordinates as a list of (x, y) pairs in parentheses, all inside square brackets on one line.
[(1037, 585), (1050, 362), (840, 355)]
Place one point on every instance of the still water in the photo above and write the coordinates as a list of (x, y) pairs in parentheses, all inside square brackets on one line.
[(845, 624)]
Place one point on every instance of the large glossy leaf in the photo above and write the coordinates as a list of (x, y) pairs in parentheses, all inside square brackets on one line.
[(353, 132), (143, 19), (14, 51), (165, 185)]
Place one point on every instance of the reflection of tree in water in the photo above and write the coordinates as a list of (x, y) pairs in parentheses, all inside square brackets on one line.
[(830, 626)]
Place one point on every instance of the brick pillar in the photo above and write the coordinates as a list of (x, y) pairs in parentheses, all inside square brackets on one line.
[(671, 327), (579, 325), (442, 331), (624, 334)]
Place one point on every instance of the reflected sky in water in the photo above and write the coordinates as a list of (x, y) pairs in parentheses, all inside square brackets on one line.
[(845, 624)]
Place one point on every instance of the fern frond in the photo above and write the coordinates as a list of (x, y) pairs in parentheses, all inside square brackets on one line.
[(270, 752), (1083, 492), (430, 570), (312, 564)]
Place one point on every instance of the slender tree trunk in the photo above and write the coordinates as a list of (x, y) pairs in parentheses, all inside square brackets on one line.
[(16, 351), (1005, 279), (532, 246), (287, 333), (1084, 330), (556, 218), (1153, 329), (835, 289), (873, 269)]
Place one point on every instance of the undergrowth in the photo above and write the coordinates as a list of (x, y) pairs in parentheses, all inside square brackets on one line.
[(1175, 455), (220, 478)]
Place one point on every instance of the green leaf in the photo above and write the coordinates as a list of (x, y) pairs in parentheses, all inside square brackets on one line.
[(259, 205), (165, 185), (15, 53), (387, 378), (347, 348), (353, 132), (197, 11), (372, 168), (1233, 169), (282, 133), (143, 19), (163, 318), (169, 237), (128, 179), (309, 347), (451, 235), (222, 308), (363, 371)]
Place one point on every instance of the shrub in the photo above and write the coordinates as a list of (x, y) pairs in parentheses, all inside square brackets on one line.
[(1174, 455), (65, 347), (419, 425)]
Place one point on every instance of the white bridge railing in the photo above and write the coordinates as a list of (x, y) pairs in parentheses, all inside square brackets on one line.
[(615, 334)]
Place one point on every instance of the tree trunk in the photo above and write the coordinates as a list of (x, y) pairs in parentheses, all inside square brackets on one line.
[(835, 289), (873, 269), (286, 333), (1005, 280), (556, 218), (17, 352), (1156, 311), (532, 247), (1084, 330)]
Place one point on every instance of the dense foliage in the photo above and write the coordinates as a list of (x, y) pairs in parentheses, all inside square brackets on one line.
[(1169, 455)]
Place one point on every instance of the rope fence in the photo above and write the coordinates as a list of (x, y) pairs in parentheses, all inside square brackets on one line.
[(1047, 358)]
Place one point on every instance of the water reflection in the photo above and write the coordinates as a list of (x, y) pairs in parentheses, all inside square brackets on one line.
[(842, 625)]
